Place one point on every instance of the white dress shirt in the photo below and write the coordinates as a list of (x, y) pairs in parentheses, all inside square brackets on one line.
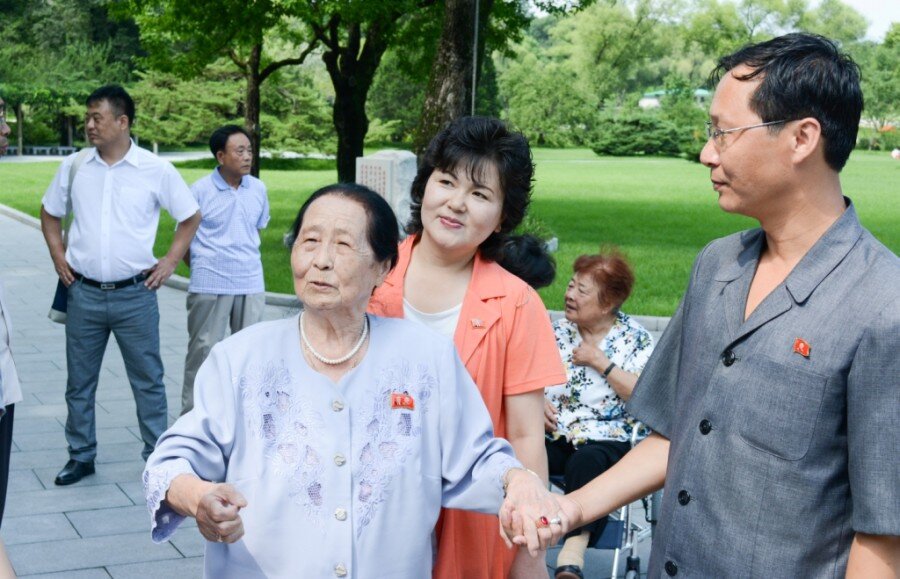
[(10, 391), (116, 211)]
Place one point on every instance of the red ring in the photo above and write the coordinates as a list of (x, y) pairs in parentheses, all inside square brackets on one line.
[(543, 522)]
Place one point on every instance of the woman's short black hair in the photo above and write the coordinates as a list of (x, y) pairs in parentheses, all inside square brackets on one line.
[(803, 75), (382, 231), (474, 144), (526, 257), (219, 139)]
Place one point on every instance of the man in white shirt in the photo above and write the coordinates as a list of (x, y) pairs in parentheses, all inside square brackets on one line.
[(10, 393), (110, 269), (227, 286)]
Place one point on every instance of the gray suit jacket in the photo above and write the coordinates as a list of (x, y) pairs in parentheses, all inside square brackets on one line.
[(777, 458)]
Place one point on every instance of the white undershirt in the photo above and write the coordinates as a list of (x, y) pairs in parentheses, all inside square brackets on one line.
[(443, 323)]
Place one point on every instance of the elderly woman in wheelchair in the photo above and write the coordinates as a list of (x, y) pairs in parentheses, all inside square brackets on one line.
[(604, 351)]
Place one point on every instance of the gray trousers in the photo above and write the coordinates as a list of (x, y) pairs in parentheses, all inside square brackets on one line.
[(209, 317), (132, 314)]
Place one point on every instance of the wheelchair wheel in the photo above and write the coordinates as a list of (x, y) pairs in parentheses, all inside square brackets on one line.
[(632, 568)]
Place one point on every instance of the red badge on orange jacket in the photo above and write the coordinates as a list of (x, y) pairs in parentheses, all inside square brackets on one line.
[(402, 400), (802, 347)]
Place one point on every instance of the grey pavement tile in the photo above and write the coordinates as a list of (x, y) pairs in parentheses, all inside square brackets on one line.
[(107, 473), (69, 554), (31, 425), (23, 480), (134, 491), (65, 499), (39, 367), (112, 521), (55, 394), (119, 452), (46, 387), (39, 458), (40, 440), (97, 573), (181, 568), (119, 406), (37, 528), (110, 420), (41, 411), (28, 399), (189, 542), (106, 393)]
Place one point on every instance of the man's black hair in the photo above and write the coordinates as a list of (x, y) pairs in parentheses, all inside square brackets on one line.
[(219, 139), (118, 98), (803, 75)]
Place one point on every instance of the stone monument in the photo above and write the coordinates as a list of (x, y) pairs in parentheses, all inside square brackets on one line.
[(390, 173)]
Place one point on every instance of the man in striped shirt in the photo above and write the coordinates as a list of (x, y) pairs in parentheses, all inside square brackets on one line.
[(227, 287)]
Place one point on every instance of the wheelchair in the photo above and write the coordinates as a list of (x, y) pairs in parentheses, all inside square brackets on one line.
[(624, 531)]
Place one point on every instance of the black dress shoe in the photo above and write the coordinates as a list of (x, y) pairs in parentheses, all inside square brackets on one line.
[(73, 472), (569, 572)]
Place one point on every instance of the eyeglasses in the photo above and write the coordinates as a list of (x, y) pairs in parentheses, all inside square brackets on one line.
[(715, 133)]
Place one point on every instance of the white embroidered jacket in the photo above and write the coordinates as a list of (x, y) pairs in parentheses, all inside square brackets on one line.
[(343, 478)]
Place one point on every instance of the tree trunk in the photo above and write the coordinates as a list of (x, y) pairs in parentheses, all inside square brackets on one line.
[(449, 94), (352, 70), (251, 111), (351, 124), (20, 123)]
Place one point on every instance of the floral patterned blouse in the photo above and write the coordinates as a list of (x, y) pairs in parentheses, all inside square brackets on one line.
[(589, 408)]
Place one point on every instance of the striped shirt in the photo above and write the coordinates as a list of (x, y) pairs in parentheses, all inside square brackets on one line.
[(225, 256)]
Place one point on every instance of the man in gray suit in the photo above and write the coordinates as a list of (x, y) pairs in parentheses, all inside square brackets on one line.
[(775, 391)]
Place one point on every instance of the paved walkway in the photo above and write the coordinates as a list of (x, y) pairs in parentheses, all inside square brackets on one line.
[(99, 527)]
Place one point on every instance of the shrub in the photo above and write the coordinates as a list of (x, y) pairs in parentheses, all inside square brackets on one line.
[(634, 133)]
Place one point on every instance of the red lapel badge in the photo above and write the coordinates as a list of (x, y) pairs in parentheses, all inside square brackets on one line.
[(402, 400), (802, 347), (477, 323)]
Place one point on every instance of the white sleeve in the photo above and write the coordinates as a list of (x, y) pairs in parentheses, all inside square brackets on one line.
[(57, 194), (199, 443), (175, 196)]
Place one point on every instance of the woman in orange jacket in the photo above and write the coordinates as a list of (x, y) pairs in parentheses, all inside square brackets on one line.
[(472, 189)]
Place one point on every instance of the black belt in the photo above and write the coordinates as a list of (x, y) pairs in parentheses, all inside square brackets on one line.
[(111, 285)]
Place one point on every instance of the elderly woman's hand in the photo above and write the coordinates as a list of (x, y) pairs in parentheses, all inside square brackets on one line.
[(588, 355), (218, 517), (518, 527), (531, 515), (214, 505), (550, 417)]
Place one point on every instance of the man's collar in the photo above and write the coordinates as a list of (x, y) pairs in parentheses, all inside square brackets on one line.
[(132, 157), (825, 255), (222, 185), (819, 261)]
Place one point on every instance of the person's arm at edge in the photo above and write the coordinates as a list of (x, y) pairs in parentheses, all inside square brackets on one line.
[(184, 233), (639, 473), (525, 432), (874, 557), (51, 227)]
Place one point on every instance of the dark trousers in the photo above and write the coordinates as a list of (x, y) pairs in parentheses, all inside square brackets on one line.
[(582, 465), (6, 431)]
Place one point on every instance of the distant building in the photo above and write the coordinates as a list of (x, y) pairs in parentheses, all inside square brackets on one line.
[(653, 100)]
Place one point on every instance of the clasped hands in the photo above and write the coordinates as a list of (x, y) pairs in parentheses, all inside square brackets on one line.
[(532, 517)]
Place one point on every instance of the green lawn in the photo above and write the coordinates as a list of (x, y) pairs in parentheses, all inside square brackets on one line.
[(660, 212)]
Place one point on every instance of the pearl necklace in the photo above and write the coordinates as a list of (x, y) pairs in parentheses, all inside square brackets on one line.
[(334, 361)]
